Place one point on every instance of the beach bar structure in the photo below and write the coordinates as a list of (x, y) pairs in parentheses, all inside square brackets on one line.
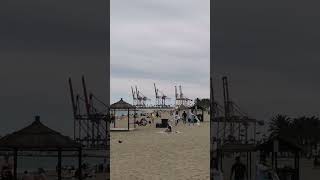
[(277, 145), (38, 137), (123, 106)]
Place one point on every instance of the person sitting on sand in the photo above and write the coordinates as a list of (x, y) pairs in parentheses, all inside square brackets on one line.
[(169, 129)]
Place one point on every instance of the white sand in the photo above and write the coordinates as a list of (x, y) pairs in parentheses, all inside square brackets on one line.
[(147, 154)]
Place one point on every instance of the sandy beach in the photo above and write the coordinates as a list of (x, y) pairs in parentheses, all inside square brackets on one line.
[(148, 153)]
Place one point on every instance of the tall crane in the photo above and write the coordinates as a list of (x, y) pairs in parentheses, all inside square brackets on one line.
[(141, 99), (134, 96), (157, 95), (161, 98), (236, 123), (91, 127), (180, 98)]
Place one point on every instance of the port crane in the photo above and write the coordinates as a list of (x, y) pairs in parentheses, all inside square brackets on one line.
[(91, 118), (139, 99), (235, 125), (180, 98), (161, 98)]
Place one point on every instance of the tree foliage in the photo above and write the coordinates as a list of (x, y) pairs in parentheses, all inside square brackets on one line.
[(204, 103), (305, 130)]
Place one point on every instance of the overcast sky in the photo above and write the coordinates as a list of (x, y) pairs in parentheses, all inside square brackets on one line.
[(164, 42), (42, 43), (271, 52)]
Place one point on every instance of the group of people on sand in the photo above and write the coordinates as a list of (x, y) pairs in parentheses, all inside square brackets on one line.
[(189, 118)]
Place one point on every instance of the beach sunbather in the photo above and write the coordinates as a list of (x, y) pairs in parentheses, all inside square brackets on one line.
[(169, 129)]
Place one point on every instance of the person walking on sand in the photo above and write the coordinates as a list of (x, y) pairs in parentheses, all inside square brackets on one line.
[(157, 115), (176, 118), (239, 170), (152, 118), (184, 115), (190, 117)]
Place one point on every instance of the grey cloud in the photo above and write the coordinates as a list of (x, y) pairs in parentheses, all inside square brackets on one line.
[(270, 51)]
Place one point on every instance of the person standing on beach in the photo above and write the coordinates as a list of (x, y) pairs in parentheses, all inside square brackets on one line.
[(184, 115), (152, 118), (113, 118), (176, 118), (239, 170), (190, 117)]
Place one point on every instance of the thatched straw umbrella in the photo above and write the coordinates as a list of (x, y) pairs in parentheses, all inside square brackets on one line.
[(122, 105), (38, 137)]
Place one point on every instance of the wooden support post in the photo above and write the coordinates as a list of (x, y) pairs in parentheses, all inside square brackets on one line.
[(115, 118), (239, 134), (128, 120), (221, 159), (248, 165), (276, 160), (297, 166), (15, 159), (272, 159), (59, 164), (202, 116), (80, 163), (255, 132), (134, 118)]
